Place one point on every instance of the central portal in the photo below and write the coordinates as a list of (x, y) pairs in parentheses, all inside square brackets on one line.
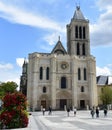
[(43, 103), (63, 102), (82, 104)]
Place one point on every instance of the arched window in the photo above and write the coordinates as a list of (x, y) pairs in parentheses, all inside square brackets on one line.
[(79, 74), (80, 32), (76, 31), (82, 88), (44, 89), (47, 73), (41, 73), (63, 82), (85, 74), (84, 33), (78, 49), (83, 49)]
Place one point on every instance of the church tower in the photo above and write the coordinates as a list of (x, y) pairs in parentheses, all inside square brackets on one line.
[(84, 64), (78, 41), (23, 78)]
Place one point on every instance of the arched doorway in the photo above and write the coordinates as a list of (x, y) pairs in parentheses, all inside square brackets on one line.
[(63, 100), (44, 101), (63, 103)]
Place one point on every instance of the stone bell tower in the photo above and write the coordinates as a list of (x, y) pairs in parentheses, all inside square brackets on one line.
[(78, 40), (84, 64)]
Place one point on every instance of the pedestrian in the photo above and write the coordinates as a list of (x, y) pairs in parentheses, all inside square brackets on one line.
[(50, 110), (43, 110), (68, 110), (105, 112), (75, 110), (97, 112), (92, 112)]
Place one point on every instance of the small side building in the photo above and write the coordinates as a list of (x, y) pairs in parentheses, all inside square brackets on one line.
[(103, 81)]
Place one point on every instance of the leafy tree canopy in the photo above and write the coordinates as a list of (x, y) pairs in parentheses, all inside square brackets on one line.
[(106, 95), (7, 87)]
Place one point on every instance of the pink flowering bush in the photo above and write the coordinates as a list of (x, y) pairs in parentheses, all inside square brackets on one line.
[(14, 114)]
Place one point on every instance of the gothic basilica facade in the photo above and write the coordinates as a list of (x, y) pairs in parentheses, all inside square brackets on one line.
[(63, 78)]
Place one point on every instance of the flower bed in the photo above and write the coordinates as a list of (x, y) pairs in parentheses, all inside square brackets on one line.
[(14, 114)]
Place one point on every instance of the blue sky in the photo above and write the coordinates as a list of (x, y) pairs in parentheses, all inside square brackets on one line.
[(28, 26)]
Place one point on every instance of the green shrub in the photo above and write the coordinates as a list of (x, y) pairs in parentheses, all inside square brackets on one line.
[(14, 113)]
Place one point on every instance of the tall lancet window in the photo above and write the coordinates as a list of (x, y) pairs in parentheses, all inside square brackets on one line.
[(47, 73), (44, 89), (76, 31), (82, 88), (84, 33), (41, 73), (85, 74), (63, 82), (80, 32), (83, 49), (78, 49), (79, 74)]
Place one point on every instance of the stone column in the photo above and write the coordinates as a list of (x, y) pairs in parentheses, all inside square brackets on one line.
[(35, 78), (92, 83), (53, 82), (44, 73), (29, 83), (74, 84)]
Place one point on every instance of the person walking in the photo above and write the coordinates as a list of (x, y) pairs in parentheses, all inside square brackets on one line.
[(68, 110), (92, 112), (43, 110), (50, 110), (105, 112), (97, 112), (75, 110)]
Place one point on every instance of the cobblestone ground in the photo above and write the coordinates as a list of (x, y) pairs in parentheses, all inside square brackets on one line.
[(59, 120)]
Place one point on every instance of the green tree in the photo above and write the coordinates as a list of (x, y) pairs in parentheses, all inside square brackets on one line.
[(7, 87), (106, 95)]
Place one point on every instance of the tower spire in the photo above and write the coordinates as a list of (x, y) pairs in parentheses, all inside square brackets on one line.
[(58, 38), (78, 14)]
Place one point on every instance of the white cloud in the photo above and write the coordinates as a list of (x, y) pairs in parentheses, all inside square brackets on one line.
[(7, 66), (104, 4), (20, 61), (103, 71), (9, 73), (52, 38), (101, 31), (16, 15), (109, 65)]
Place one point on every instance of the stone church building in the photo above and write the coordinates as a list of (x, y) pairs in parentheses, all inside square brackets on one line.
[(63, 78)]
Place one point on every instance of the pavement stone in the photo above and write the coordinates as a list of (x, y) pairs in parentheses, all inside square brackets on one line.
[(59, 120)]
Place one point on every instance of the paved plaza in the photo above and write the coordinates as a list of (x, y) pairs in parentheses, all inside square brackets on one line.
[(59, 120)]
